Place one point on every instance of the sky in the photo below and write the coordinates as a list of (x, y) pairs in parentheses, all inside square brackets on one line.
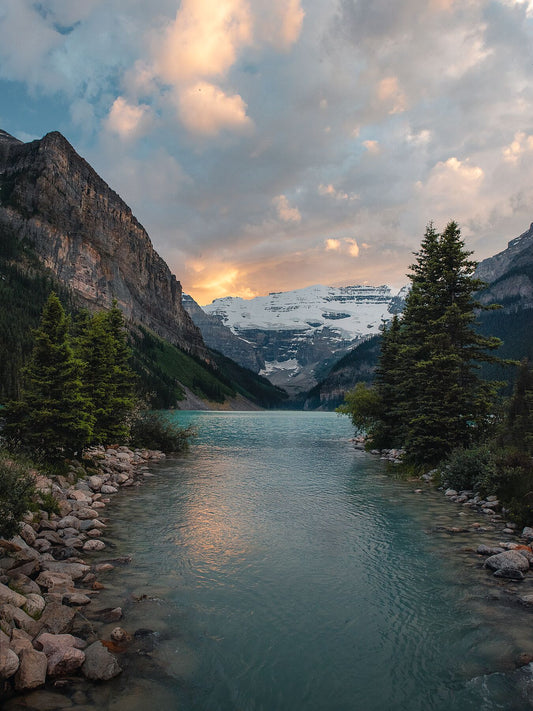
[(268, 145)]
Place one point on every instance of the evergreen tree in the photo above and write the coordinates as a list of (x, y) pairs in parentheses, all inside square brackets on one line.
[(107, 377), (52, 416), (428, 394), (519, 422)]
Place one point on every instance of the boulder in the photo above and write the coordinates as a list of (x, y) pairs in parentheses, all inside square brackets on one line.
[(99, 664), (28, 534), (509, 574), (508, 560), (32, 670), (69, 522), (9, 661), (93, 545), (527, 533), (49, 579), (86, 513), (74, 570), (13, 616), (56, 618), (20, 640), (7, 595), (108, 489), (488, 550), (62, 653), (34, 606)]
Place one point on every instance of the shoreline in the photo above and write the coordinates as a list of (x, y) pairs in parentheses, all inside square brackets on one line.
[(49, 587)]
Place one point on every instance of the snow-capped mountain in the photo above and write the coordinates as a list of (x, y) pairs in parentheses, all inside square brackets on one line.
[(301, 333)]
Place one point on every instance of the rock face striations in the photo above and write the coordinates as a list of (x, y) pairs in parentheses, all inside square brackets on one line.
[(87, 235)]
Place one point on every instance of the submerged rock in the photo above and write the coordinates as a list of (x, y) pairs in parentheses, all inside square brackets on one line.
[(508, 560)]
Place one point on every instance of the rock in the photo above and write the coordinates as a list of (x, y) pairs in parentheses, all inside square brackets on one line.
[(527, 533), (49, 579), (118, 634), (488, 550), (32, 670), (99, 664), (450, 492), (28, 534), (86, 513), (76, 599), (11, 597), (43, 700), (107, 614), (75, 570), (69, 522), (81, 496), (56, 618), (93, 545), (20, 640), (108, 489), (34, 605), (15, 617), (42, 545), (95, 482), (9, 661), (508, 560), (62, 653), (509, 574), (526, 599), (103, 567)]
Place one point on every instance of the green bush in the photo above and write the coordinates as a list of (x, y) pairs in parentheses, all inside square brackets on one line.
[(470, 468), (16, 492), (155, 431)]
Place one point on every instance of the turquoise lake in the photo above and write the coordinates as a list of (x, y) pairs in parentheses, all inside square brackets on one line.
[(278, 568)]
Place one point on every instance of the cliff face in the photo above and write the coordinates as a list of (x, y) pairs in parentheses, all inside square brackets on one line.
[(221, 338), (88, 236)]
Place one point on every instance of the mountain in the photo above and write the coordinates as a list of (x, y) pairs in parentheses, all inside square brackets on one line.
[(301, 333), (63, 228), (221, 338), (87, 235)]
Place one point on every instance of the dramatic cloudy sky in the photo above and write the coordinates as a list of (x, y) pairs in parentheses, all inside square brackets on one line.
[(271, 144)]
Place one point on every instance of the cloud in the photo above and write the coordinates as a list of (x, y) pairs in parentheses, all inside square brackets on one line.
[(129, 121), (332, 244), (389, 93), (521, 143), (205, 109), (372, 147), (203, 40), (353, 247), (286, 213)]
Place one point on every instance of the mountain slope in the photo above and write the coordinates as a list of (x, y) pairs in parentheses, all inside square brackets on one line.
[(301, 333), (87, 235)]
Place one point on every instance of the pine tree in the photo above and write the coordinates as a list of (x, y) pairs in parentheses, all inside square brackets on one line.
[(519, 422), (52, 416), (388, 430), (107, 377), (444, 402)]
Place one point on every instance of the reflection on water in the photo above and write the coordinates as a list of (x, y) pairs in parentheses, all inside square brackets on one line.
[(278, 568)]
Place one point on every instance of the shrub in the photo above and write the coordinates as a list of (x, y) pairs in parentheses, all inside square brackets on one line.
[(16, 491), (155, 431), (469, 468)]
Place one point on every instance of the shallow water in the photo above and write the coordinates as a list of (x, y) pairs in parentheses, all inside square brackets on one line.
[(284, 570)]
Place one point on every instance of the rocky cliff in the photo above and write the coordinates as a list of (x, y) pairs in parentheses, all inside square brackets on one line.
[(87, 235)]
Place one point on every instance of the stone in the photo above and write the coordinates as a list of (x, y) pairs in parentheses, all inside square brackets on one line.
[(9, 661), (488, 550), (103, 567), (450, 492), (107, 614), (118, 634), (28, 534), (34, 605), (95, 533), (86, 513), (108, 489), (527, 533), (69, 522), (62, 653), (80, 496), (20, 640), (93, 545), (508, 560), (526, 599), (56, 618), (43, 700), (95, 482), (49, 579), (11, 597), (76, 599), (509, 574), (74, 570), (15, 617), (99, 664), (32, 670), (42, 545)]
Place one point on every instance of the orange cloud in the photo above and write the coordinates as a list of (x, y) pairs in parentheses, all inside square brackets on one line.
[(332, 245), (206, 109), (128, 121), (285, 211), (353, 247), (389, 93)]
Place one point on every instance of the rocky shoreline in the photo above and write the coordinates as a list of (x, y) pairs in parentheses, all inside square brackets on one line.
[(49, 588), (509, 559)]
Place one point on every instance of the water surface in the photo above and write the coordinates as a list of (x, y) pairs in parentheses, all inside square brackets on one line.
[(279, 568)]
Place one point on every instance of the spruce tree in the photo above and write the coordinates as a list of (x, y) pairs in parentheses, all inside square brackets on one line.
[(52, 417), (107, 377), (444, 402), (518, 430)]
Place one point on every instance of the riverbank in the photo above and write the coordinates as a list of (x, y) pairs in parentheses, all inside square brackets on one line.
[(49, 614), (507, 551)]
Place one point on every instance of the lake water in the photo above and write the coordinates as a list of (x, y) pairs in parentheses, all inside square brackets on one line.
[(281, 569)]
